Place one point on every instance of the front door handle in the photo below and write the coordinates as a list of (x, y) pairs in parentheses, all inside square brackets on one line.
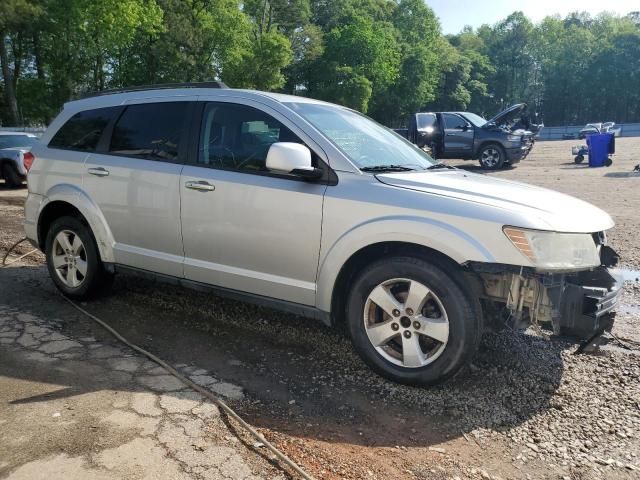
[(99, 172), (201, 186)]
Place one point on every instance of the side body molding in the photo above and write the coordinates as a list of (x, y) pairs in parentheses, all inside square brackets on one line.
[(76, 197), (430, 233)]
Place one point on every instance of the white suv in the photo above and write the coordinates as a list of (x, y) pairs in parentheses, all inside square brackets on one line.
[(315, 209)]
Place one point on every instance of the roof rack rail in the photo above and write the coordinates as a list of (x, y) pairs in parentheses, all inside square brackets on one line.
[(157, 86)]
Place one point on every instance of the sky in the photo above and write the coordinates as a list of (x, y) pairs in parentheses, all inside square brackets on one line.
[(455, 14)]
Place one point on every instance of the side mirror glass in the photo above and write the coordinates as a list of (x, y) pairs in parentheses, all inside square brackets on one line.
[(291, 158)]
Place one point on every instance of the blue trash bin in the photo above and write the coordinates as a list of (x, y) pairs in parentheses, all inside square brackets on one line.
[(600, 146)]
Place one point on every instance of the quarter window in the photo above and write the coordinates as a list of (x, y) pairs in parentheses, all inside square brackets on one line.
[(238, 137), (150, 130), (83, 131)]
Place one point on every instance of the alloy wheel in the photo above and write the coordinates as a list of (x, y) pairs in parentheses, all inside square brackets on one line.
[(490, 157), (406, 323), (69, 258)]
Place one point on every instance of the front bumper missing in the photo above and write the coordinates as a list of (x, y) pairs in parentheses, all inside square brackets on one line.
[(578, 304), (587, 306)]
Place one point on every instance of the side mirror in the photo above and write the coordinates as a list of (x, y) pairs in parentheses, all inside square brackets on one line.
[(292, 158)]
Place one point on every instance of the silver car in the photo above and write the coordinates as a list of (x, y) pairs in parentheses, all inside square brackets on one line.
[(315, 209), (15, 156)]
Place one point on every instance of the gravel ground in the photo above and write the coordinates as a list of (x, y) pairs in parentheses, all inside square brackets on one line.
[(527, 408)]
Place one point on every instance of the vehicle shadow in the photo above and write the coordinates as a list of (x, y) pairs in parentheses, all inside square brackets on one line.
[(622, 174), (300, 378)]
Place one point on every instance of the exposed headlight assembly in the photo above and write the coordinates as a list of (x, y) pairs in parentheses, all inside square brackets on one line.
[(514, 138), (555, 251)]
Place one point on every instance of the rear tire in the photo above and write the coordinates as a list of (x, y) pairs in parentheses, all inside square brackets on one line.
[(11, 176), (73, 259), (492, 157), (579, 159), (432, 330)]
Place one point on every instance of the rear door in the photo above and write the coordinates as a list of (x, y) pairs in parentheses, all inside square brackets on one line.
[(458, 136), (246, 228), (134, 178)]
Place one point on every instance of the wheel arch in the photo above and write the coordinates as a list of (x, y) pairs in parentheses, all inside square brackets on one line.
[(486, 143), (373, 252), (428, 239), (69, 200)]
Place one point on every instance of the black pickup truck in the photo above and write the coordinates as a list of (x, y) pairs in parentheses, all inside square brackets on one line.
[(505, 139)]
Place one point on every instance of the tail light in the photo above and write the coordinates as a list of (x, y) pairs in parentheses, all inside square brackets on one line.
[(27, 160)]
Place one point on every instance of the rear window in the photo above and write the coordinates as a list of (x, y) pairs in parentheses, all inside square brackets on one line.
[(150, 130), (83, 130)]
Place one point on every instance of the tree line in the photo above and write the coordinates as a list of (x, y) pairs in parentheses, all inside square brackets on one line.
[(386, 58)]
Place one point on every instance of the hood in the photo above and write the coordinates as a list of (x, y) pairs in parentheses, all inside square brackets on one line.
[(549, 209), (508, 115)]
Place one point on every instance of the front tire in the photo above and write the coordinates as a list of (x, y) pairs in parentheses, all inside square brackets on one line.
[(492, 157), (411, 322), (73, 260)]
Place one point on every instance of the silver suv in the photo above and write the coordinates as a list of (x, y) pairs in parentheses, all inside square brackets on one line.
[(315, 209)]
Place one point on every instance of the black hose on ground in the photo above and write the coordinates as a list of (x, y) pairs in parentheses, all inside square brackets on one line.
[(12, 248), (220, 403)]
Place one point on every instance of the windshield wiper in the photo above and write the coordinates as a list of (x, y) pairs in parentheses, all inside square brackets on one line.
[(436, 166), (387, 168)]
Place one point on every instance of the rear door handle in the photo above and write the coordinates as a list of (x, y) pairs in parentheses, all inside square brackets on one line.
[(201, 186), (99, 172)]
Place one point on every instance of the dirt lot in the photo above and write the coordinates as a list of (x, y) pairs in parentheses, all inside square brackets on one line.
[(528, 407)]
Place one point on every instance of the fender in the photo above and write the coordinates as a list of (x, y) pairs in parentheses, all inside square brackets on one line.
[(76, 197), (434, 234)]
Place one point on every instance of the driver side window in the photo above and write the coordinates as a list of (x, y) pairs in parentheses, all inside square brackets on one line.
[(238, 137), (453, 122)]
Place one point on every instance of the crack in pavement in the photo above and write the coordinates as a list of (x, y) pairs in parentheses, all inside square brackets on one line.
[(168, 432)]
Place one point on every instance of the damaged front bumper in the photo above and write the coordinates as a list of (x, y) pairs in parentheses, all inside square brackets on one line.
[(587, 306), (580, 304)]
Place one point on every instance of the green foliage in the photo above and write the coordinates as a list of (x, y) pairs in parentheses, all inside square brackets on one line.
[(384, 57)]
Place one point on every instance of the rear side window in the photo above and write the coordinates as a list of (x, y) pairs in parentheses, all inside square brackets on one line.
[(83, 130), (151, 131)]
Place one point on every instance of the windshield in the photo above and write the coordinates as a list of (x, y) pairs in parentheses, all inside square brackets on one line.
[(366, 143), (477, 120), (11, 141)]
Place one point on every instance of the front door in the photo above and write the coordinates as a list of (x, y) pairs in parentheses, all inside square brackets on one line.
[(458, 136), (134, 176), (243, 227)]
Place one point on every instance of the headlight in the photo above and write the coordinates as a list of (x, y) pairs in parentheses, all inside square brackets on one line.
[(514, 138), (551, 250)]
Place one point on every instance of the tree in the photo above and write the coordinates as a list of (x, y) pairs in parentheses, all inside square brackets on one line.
[(14, 29), (361, 50), (269, 51), (452, 93)]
